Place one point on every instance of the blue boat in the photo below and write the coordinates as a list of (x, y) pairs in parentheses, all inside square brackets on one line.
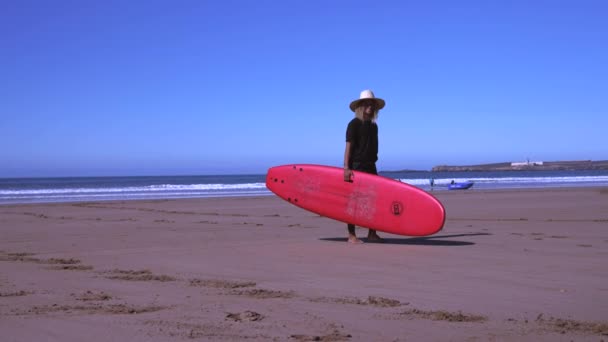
[(460, 185)]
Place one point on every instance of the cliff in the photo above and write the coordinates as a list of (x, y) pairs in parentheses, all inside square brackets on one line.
[(544, 166)]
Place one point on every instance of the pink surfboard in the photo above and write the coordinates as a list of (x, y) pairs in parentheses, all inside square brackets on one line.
[(368, 201)]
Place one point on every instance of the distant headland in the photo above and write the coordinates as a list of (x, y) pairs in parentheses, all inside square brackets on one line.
[(529, 166)]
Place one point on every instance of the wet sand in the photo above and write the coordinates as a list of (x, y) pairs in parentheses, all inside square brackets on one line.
[(509, 265)]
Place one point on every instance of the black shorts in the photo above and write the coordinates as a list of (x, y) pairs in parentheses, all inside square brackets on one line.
[(365, 167)]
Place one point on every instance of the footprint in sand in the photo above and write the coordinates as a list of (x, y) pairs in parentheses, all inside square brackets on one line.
[(142, 275), (15, 294), (115, 309), (92, 296), (221, 284), (335, 335), (442, 315), (371, 300), (564, 326), (249, 223), (249, 316), (262, 294), (63, 264), (71, 268), (163, 221)]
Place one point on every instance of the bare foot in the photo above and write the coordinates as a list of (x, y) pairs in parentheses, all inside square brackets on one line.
[(353, 239), (374, 238)]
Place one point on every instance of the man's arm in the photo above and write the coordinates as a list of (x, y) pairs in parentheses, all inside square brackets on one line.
[(347, 172)]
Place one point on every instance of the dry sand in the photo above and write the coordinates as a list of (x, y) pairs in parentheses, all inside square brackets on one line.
[(509, 265)]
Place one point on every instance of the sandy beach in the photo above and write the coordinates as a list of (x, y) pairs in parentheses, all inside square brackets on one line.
[(509, 265)]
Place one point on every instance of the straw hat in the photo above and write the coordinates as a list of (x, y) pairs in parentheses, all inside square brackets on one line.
[(367, 95)]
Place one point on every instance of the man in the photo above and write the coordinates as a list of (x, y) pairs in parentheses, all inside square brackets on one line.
[(361, 152)]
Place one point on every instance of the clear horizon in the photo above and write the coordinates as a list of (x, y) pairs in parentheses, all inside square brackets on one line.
[(106, 88), (117, 175)]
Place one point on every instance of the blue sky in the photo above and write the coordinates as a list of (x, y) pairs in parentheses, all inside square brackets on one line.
[(207, 87)]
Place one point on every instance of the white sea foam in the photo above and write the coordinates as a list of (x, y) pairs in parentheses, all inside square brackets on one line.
[(511, 180), (25, 193), (143, 189)]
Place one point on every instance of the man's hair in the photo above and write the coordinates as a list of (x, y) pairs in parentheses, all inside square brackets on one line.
[(359, 113)]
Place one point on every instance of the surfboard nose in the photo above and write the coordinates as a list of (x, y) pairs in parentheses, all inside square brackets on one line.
[(274, 179)]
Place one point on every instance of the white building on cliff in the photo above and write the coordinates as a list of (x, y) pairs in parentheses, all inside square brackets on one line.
[(526, 163)]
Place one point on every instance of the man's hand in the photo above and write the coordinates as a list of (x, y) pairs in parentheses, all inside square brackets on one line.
[(348, 175)]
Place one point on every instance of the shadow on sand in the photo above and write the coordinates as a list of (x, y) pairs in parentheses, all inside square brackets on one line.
[(424, 241)]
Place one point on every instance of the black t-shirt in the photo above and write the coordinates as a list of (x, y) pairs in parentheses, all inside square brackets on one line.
[(363, 138)]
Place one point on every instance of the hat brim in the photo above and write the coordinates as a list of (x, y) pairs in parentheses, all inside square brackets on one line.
[(379, 103)]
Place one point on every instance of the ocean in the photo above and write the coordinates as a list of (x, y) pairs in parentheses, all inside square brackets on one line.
[(76, 189)]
